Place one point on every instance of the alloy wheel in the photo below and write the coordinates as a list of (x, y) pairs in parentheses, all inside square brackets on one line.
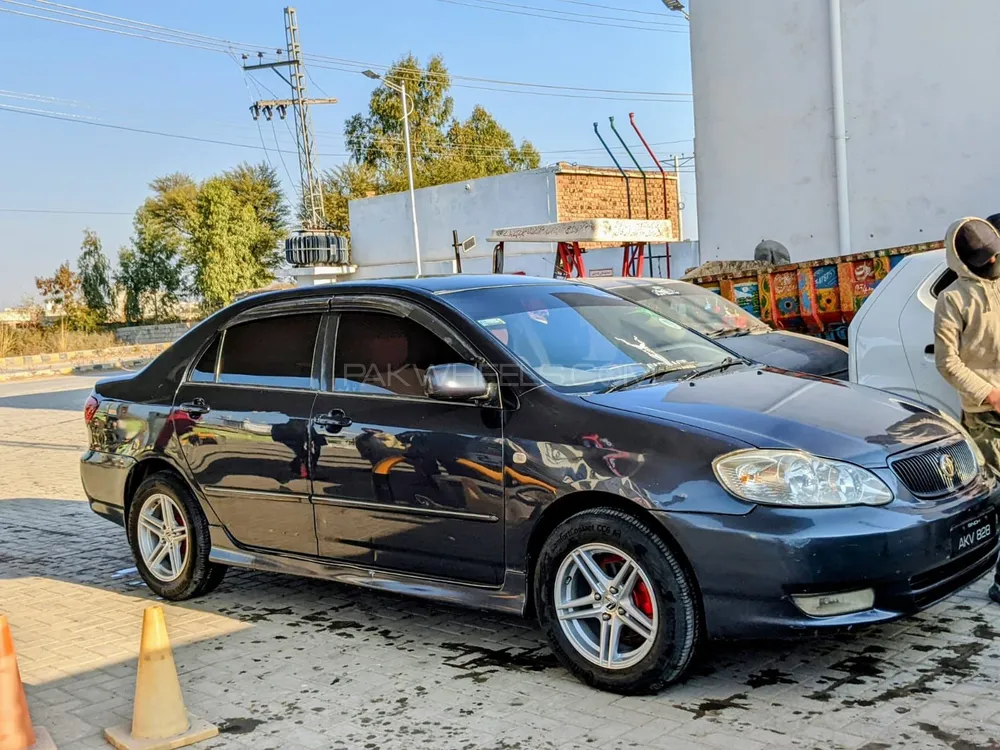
[(605, 606), (164, 539)]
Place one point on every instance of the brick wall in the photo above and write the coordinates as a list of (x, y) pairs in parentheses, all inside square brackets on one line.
[(597, 193)]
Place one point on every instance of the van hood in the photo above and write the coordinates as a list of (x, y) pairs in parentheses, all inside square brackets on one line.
[(771, 409)]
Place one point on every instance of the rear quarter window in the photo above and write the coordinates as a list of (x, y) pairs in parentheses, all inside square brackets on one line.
[(944, 281)]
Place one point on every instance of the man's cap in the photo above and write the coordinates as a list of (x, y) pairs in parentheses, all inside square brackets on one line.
[(977, 242)]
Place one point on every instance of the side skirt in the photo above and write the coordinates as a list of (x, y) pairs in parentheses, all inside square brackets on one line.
[(511, 597)]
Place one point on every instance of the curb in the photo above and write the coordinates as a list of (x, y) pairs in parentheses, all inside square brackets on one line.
[(118, 364)]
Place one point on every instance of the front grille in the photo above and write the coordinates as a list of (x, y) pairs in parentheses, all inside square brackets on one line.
[(939, 470)]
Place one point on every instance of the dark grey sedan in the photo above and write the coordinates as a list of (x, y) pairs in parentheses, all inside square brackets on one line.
[(731, 326)]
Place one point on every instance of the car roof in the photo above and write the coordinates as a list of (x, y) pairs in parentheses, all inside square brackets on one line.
[(427, 284), (617, 282)]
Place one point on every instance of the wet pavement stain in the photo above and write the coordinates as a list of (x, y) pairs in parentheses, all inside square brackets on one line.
[(985, 632), (714, 705), (479, 662), (954, 741), (239, 725), (957, 666), (855, 668), (768, 677)]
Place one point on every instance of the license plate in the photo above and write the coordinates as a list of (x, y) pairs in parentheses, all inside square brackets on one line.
[(971, 534)]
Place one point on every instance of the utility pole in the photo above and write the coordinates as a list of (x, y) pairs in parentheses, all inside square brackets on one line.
[(680, 219), (309, 175)]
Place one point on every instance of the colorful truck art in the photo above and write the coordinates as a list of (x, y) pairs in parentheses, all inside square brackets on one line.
[(817, 297)]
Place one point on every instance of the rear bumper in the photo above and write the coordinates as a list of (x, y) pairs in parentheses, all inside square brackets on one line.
[(749, 567), (104, 476)]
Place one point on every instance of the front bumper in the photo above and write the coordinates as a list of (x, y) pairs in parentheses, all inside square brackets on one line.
[(748, 567), (104, 476)]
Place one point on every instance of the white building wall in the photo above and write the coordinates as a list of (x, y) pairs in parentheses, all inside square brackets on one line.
[(382, 229), (922, 144)]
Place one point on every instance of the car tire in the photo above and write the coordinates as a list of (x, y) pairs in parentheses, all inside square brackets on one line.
[(188, 573), (653, 626)]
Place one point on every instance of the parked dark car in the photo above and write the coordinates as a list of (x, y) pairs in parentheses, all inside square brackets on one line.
[(733, 327), (530, 445)]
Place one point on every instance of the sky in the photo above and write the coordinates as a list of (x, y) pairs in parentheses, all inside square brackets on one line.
[(61, 176)]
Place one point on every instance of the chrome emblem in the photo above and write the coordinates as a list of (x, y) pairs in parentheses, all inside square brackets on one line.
[(947, 465)]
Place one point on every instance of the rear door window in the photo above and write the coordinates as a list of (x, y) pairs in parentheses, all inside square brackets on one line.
[(271, 352)]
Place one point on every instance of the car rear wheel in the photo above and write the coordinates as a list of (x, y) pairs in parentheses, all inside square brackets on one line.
[(618, 608), (170, 540)]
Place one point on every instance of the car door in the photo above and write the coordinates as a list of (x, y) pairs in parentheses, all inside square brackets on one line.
[(242, 422), (916, 332), (402, 481)]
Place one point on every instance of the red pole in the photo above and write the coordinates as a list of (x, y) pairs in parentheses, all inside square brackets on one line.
[(666, 212)]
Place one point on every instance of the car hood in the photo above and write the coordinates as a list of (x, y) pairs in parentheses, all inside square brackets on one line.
[(790, 351), (771, 409)]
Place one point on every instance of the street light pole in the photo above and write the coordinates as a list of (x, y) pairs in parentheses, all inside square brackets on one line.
[(401, 88)]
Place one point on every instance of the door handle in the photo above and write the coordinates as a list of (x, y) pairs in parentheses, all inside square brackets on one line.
[(929, 349), (335, 419), (195, 408)]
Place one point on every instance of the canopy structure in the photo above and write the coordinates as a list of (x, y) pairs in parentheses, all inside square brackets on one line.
[(611, 231)]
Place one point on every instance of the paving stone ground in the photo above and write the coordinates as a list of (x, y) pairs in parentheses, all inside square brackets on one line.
[(288, 663)]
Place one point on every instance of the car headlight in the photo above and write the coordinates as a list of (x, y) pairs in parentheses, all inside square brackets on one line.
[(798, 479)]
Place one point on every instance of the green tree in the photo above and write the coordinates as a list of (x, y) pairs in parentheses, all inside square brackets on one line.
[(221, 248), (190, 218), (444, 148), (62, 291), (149, 271), (95, 276), (258, 186)]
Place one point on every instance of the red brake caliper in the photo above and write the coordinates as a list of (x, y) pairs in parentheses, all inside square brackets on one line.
[(641, 597)]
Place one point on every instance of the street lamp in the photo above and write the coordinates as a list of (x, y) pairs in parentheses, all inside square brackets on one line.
[(677, 6), (401, 88)]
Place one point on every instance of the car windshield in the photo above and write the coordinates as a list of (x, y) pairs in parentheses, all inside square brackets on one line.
[(696, 308), (582, 339)]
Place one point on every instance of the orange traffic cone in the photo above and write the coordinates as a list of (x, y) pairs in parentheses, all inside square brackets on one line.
[(16, 732), (159, 719)]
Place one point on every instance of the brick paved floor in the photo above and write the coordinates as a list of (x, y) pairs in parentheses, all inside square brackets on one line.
[(288, 663)]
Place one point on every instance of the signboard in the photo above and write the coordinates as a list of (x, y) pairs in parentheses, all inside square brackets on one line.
[(599, 272), (469, 244)]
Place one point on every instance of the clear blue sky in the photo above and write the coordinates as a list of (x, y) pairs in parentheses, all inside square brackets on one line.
[(60, 166)]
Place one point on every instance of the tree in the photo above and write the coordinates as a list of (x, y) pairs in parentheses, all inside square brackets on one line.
[(221, 249), (62, 291), (150, 272), (259, 187), (95, 276), (444, 148), (189, 219)]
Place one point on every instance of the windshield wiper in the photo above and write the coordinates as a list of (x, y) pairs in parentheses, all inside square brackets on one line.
[(720, 367), (727, 332), (650, 374)]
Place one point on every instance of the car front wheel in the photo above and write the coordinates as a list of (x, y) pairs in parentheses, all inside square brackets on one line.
[(618, 608), (170, 540)]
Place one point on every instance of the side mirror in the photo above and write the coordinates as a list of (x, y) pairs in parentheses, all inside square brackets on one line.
[(456, 382)]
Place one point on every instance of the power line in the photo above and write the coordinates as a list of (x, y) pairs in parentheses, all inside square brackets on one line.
[(557, 18), (397, 143), (71, 118), (377, 66), (61, 211), (616, 8), (560, 13), (142, 30)]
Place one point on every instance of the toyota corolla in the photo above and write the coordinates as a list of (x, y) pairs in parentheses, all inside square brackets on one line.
[(535, 446)]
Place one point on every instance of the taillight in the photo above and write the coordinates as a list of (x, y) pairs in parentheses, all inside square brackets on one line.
[(90, 408)]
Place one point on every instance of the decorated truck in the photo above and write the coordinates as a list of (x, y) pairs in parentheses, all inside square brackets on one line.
[(817, 297)]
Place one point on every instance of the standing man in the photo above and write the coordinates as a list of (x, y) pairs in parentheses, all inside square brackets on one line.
[(967, 335)]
